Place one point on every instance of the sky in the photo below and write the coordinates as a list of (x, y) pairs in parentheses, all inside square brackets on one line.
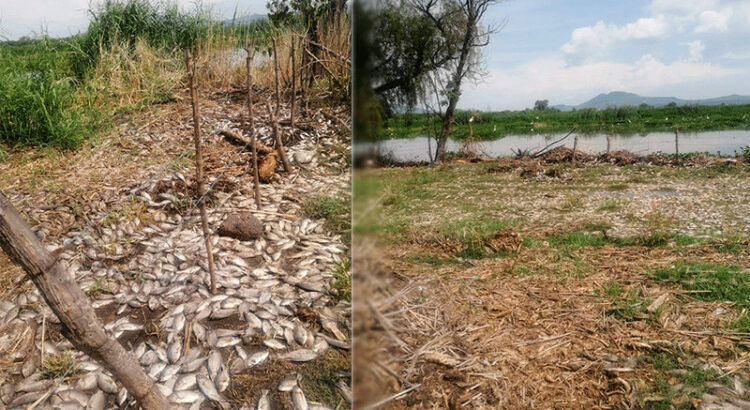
[(569, 51), (62, 18)]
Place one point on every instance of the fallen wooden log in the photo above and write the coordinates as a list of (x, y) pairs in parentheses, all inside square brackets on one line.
[(238, 139), (79, 322)]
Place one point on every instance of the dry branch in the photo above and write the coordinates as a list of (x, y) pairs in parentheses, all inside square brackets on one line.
[(238, 139), (199, 168), (80, 324), (277, 138)]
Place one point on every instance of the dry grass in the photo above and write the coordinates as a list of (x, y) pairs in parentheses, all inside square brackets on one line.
[(574, 323)]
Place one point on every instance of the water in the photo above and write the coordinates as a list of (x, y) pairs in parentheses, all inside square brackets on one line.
[(714, 142)]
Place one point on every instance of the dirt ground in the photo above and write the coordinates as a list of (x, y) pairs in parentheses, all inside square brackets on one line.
[(551, 285)]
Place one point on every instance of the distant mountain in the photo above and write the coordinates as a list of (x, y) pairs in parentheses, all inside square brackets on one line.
[(620, 98), (245, 19)]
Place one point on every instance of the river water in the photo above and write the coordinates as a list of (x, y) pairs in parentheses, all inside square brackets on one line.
[(726, 142)]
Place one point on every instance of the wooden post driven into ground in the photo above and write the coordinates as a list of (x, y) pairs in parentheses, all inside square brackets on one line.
[(79, 322), (199, 167), (294, 83), (676, 145), (256, 179), (609, 143), (575, 148), (277, 137)]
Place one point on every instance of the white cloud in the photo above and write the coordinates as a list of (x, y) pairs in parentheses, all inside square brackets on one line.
[(591, 40), (713, 21), (695, 50), (559, 82)]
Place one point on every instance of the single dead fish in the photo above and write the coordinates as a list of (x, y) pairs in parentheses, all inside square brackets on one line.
[(298, 398), (302, 355), (263, 402)]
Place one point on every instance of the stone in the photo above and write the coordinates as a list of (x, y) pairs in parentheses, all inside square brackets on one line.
[(243, 226), (303, 157)]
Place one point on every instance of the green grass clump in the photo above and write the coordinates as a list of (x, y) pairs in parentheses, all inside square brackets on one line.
[(610, 205), (100, 286), (712, 282), (693, 380), (335, 210), (342, 280), (59, 365), (630, 305)]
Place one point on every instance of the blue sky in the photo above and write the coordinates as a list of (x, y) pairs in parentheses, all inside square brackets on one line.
[(569, 51), (61, 18)]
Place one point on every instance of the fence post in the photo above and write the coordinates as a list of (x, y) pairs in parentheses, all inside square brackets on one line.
[(609, 143), (199, 167), (676, 145), (68, 302), (575, 148), (256, 181)]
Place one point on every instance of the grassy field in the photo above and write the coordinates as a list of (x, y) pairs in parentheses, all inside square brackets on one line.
[(60, 92), (623, 120), (599, 286)]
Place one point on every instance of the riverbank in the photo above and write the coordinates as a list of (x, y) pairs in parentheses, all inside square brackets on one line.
[(494, 285)]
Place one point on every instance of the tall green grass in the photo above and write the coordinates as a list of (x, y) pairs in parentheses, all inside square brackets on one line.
[(59, 91)]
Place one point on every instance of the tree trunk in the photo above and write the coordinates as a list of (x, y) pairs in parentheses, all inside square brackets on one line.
[(79, 322), (454, 88)]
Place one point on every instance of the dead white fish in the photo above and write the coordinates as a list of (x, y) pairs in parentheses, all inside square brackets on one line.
[(263, 402), (97, 401), (156, 369), (257, 358), (168, 373), (222, 380), (192, 365), (228, 341), (209, 390), (87, 382), (174, 351), (106, 383), (185, 397), (320, 346), (298, 398), (274, 344), (122, 397), (302, 355), (214, 363), (185, 382), (288, 383)]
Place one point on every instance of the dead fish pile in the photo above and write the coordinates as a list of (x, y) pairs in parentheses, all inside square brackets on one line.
[(192, 342)]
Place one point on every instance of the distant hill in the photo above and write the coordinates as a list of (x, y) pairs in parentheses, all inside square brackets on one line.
[(620, 98), (245, 19)]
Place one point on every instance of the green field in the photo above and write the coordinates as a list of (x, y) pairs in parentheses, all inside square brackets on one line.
[(622, 120)]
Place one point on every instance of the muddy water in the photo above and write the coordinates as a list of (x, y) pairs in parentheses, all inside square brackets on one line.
[(722, 142)]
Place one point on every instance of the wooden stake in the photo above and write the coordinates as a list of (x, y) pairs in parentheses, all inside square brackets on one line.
[(199, 168), (256, 179), (294, 83), (575, 148), (609, 143), (276, 71), (277, 138), (80, 325), (676, 145)]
